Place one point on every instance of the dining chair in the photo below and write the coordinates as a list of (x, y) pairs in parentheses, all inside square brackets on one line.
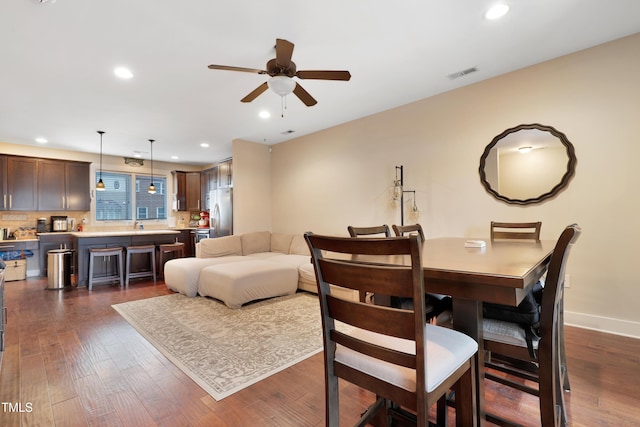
[(400, 230), (547, 368), (437, 304), (531, 231), (369, 231), (382, 230), (407, 363), (515, 230)]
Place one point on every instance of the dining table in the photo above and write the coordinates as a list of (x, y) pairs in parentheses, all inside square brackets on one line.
[(499, 271)]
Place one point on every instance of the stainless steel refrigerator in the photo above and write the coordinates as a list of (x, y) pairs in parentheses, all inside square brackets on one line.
[(221, 212)]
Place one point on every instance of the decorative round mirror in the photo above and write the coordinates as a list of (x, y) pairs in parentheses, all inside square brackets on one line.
[(527, 164)]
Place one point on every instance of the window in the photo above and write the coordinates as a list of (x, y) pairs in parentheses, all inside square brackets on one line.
[(124, 192)]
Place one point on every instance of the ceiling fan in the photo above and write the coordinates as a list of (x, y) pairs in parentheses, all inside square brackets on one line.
[(282, 70)]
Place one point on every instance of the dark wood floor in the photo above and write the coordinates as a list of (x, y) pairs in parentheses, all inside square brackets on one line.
[(72, 360)]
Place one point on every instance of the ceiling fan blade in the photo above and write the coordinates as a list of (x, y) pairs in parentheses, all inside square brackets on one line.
[(256, 92), (284, 52), (324, 75), (304, 96), (230, 68)]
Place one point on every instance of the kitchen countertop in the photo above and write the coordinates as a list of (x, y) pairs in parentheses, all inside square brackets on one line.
[(121, 233)]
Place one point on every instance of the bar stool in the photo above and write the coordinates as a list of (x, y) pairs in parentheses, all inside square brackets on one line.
[(103, 253), (142, 249), (168, 251)]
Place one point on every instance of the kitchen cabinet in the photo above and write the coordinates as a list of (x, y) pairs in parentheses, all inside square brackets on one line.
[(85, 241), (188, 190), (188, 238), (208, 182), (63, 186), (3, 309), (21, 184), (3, 183), (225, 174)]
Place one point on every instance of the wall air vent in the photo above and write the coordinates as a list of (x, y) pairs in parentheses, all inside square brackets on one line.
[(287, 132), (462, 73)]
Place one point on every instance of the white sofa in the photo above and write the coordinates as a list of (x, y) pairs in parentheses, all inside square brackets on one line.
[(242, 268)]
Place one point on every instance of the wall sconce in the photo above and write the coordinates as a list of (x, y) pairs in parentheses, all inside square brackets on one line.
[(397, 186), (398, 194)]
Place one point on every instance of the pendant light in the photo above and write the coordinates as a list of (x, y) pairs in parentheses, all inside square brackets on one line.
[(152, 188), (100, 185)]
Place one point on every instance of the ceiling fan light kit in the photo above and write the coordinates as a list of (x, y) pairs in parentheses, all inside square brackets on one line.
[(282, 70), (281, 85)]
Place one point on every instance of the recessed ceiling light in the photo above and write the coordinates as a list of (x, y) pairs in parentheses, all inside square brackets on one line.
[(174, 157), (41, 140), (525, 150), (123, 73), (497, 11), (204, 145), (264, 114)]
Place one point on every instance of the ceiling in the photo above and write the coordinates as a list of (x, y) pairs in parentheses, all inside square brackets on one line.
[(57, 60)]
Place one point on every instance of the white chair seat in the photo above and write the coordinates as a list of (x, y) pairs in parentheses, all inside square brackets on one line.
[(506, 333), (446, 350)]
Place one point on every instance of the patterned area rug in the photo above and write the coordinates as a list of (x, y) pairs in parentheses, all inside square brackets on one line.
[(225, 350)]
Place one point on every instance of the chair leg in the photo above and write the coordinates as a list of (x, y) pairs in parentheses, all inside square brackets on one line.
[(120, 269), (465, 390), (90, 285)]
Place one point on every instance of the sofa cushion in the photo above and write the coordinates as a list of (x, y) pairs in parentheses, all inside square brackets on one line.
[(281, 242), (238, 283), (220, 246), (299, 245), (182, 274), (258, 241)]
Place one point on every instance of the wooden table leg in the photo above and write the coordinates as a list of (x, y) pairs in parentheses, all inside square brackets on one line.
[(467, 318)]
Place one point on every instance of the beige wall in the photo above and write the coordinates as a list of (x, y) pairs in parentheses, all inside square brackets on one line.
[(251, 187), (343, 175)]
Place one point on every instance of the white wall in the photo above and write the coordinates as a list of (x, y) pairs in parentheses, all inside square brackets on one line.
[(343, 175)]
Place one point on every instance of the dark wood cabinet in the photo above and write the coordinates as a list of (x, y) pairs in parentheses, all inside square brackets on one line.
[(208, 182), (4, 203), (225, 174), (78, 178), (63, 186), (188, 191), (193, 191), (22, 183)]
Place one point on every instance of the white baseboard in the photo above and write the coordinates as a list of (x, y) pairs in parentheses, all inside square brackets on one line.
[(603, 324)]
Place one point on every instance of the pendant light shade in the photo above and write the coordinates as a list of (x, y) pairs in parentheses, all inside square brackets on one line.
[(152, 188), (100, 185)]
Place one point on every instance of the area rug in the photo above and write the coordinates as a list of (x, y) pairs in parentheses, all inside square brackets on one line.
[(225, 350)]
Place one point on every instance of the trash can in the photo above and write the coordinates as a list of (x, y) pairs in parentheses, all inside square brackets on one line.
[(59, 268)]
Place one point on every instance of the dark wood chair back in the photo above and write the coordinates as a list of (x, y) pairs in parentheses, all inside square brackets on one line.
[(343, 262), (401, 230), (548, 368), (515, 230), (369, 231)]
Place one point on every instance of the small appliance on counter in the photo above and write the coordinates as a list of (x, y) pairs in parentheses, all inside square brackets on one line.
[(203, 222), (58, 223), (41, 226)]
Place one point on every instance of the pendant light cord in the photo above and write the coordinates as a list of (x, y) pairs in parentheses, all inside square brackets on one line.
[(101, 133)]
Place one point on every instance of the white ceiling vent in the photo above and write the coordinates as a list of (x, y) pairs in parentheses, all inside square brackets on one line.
[(462, 73)]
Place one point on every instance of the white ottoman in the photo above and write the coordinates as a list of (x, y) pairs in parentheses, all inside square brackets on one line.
[(240, 282), (182, 274)]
